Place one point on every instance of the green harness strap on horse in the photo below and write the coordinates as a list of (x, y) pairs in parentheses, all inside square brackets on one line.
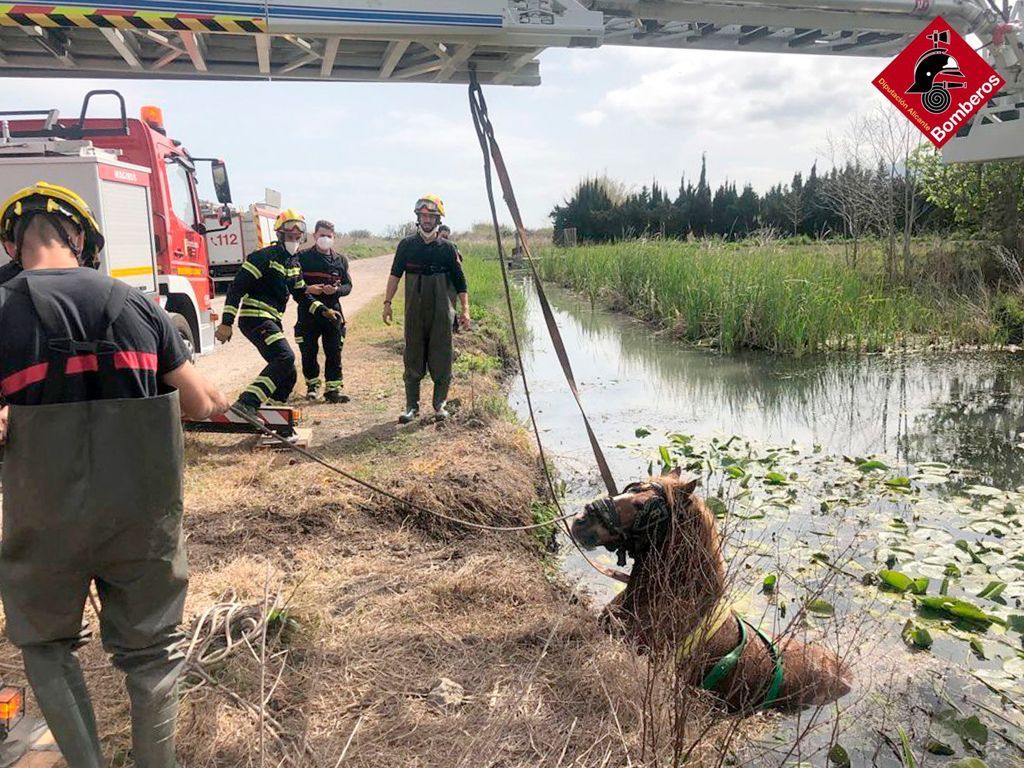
[(728, 663)]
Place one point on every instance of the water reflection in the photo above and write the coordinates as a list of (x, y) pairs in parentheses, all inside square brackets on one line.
[(965, 409)]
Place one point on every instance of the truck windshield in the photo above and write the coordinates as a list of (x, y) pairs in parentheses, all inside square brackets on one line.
[(181, 193)]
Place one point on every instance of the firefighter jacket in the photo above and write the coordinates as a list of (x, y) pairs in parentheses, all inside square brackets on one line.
[(261, 287), (325, 269)]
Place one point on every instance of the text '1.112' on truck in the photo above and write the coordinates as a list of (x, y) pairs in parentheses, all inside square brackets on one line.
[(141, 185)]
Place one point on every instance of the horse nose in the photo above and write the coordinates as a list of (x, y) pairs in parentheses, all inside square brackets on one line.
[(582, 532)]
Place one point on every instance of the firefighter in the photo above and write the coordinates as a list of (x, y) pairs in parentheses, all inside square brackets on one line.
[(445, 233), (97, 380), (258, 296), (429, 263), (327, 279)]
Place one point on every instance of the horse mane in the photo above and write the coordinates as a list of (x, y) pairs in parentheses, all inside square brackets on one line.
[(677, 582)]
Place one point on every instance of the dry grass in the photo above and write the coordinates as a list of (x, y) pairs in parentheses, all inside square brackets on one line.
[(380, 604)]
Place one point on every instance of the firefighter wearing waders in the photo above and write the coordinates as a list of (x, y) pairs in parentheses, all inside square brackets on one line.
[(96, 380), (327, 279), (430, 263), (445, 233), (258, 296)]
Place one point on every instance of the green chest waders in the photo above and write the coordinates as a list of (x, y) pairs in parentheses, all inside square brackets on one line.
[(93, 493), (428, 336)]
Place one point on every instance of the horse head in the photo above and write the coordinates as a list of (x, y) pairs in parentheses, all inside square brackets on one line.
[(637, 520)]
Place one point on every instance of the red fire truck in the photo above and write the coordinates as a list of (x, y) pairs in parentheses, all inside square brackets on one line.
[(142, 186)]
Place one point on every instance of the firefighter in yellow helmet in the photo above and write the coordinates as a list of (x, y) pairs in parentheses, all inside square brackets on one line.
[(95, 380), (430, 264), (258, 296)]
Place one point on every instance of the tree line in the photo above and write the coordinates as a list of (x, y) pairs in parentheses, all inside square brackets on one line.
[(882, 182)]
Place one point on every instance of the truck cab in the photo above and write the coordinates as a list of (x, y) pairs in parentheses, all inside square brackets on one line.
[(178, 228)]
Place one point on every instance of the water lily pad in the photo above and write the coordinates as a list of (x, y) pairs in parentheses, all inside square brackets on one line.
[(897, 581), (821, 607), (873, 464), (838, 756), (958, 609), (717, 506), (977, 648), (993, 590), (983, 490), (916, 636), (962, 545), (967, 728), (936, 747)]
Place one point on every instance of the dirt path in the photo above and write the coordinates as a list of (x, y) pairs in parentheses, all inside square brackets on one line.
[(232, 365)]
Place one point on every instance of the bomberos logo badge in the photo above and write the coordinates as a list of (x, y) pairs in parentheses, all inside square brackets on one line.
[(939, 82)]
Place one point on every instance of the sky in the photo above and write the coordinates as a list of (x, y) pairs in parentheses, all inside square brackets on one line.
[(360, 154)]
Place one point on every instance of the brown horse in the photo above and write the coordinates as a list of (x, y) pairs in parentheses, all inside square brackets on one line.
[(674, 601)]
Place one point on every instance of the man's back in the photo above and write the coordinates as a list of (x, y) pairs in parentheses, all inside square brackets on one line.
[(148, 346)]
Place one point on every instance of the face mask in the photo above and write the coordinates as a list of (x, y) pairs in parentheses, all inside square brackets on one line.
[(292, 246), (428, 237), (324, 243)]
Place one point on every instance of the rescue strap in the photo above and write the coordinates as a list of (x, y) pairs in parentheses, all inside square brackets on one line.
[(262, 428), (489, 148), (728, 663), (489, 145)]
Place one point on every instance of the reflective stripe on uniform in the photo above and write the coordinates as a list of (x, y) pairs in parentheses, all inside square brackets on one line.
[(279, 267), (251, 303), (252, 268), (257, 392), (259, 313), (315, 307), (272, 338), (230, 310), (335, 385), (315, 383), (299, 339), (33, 374)]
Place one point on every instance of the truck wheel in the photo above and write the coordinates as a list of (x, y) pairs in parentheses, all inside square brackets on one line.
[(185, 333)]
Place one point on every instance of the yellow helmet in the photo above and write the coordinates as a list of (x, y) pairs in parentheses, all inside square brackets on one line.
[(430, 204), (49, 198), (290, 217)]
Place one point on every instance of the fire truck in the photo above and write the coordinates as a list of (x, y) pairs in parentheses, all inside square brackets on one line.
[(250, 229), (141, 184)]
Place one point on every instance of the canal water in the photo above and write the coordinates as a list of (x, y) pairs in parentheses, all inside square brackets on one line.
[(828, 471)]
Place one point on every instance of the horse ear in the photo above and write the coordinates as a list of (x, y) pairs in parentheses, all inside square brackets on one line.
[(689, 487)]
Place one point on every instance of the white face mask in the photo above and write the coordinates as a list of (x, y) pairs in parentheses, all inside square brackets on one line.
[(292, 246), (325, 242)]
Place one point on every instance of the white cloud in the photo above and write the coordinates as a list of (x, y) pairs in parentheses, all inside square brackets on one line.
[(733, 91), (592, 118)]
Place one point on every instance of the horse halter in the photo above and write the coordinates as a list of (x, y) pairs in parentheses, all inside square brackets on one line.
[(649, 517)]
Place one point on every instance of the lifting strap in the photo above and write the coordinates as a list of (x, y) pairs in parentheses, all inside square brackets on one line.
[(485, 133), (489, 148)]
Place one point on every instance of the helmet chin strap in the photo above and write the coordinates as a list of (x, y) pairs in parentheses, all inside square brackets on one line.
[(428, 237)]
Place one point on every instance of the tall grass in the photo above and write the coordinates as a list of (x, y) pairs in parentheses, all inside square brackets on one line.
[(789, 299)]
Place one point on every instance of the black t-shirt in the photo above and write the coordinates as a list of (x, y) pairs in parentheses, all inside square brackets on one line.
[(326, 269), (9, 270), (149, 345), (436, 258)]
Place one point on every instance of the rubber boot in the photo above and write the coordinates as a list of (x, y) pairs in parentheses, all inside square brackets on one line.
[(59, 687), (154, 700)]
